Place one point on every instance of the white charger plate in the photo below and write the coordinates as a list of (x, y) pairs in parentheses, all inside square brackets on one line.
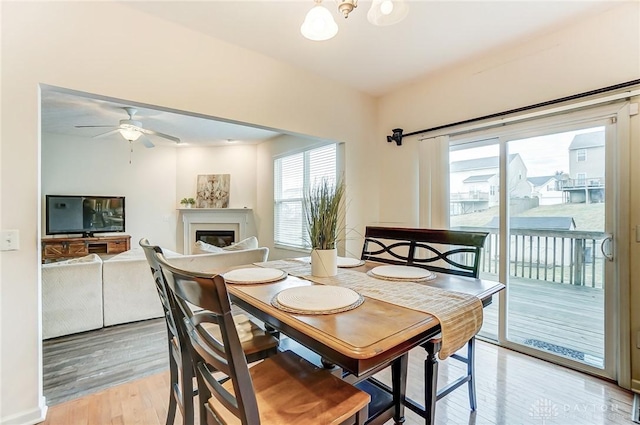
[(402, 273), (318, 298), (252, 275), (349, 262)]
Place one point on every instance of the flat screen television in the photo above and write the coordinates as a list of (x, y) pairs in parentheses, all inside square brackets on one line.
[(84, 214)]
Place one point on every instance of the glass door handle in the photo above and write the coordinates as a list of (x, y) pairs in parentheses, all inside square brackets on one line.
[(607, 255)]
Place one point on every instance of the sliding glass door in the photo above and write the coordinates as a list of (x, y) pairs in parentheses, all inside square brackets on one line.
[(544, 194)]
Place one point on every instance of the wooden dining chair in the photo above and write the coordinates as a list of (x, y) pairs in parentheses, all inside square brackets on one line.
[(282, 389), (442, 251), (257, 346)]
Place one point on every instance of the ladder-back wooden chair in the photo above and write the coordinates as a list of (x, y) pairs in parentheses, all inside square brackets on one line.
[(442, 251), (282, 389), (257, 346)]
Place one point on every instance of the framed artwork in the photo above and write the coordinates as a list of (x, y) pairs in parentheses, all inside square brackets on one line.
[(213, 191)]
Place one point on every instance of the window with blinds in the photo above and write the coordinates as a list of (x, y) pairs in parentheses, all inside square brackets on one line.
[(293, 176)]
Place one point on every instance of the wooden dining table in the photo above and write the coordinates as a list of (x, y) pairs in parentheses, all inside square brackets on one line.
[(364, 340)]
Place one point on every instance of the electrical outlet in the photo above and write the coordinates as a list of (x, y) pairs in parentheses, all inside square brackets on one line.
[(9, 240)]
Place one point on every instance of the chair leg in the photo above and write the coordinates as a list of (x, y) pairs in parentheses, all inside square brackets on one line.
[(173, 403), (203, 396), (471, 361), (187, 390)]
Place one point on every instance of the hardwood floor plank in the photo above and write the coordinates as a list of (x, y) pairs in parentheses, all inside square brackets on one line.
[(512, 388)]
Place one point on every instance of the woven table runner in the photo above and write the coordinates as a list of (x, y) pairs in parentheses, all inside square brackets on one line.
[(459, 314)]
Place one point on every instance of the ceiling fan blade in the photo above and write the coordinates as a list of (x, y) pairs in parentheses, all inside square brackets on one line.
[(146, 142), (108, 133), (156, 133), (95, 126)]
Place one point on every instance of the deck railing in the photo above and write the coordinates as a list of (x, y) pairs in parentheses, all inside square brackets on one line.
[(563, 256)]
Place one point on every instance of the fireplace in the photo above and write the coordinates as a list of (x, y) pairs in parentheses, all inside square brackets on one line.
[(229, 224), (220, 238)]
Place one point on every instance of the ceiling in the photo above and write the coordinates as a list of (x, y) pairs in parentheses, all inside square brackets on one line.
[(63, 110), (374, 60)]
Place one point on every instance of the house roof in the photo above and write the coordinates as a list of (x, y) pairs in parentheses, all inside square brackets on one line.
[(477, 163), (587, 140), (476, 179), (540, 180), (542, 223)]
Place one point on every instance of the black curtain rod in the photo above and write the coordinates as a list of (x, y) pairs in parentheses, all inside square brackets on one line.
[(397, 132)]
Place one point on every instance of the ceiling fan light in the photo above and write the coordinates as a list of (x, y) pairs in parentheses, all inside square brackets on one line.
[(387, 12), (130, 134), (319, 25)]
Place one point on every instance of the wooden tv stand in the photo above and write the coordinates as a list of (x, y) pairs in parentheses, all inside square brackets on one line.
[(62, 248)]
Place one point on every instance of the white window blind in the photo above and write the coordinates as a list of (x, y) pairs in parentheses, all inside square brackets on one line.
[(293, 175)]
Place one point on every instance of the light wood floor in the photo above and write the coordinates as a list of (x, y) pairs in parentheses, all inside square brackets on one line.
[(512, 389)]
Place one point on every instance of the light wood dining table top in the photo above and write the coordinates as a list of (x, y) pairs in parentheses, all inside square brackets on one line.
[(361, 339)]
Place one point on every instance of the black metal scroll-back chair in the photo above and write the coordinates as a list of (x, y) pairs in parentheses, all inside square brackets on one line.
[(443, 251), (258, 347), (282, 389)]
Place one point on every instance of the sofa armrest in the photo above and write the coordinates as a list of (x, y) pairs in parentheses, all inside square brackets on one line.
[(71, 296)]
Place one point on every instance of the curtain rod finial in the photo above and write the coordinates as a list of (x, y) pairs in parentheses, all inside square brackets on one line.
[(396, 137)]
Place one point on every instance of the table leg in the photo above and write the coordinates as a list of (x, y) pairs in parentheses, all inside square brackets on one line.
[(430, 382), (399, 384)]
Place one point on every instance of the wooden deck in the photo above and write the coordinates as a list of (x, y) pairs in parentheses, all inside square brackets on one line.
[(561, 318)]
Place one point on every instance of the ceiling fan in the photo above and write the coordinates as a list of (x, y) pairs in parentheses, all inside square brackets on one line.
[(131, 130)]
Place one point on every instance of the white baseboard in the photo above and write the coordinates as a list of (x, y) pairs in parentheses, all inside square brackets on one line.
[(635, 385), (29, 417)]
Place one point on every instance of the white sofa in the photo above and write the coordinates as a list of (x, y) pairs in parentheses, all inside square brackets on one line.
[(87, 293), (129, 293), (71, 296)]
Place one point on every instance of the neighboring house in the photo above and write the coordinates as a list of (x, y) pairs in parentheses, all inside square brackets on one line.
[(474, 183), (546, 189), (586, 169)]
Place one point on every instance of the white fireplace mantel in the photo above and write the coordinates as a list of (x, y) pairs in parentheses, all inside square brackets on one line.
[(194, 217)]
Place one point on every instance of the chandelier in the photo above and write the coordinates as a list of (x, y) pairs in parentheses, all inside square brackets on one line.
[(319, 25)]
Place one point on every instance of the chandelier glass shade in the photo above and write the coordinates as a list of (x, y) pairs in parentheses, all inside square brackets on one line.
[(387, 12), (319, 24)]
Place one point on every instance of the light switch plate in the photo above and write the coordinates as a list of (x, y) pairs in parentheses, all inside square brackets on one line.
[(9, 240)]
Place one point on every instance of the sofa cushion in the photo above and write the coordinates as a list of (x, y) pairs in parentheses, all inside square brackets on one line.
[(137, 253), (215, 263), (91, 258), (201, 247), (249, 243)]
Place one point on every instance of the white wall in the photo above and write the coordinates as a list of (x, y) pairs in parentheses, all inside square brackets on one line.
[(79, 45), (597, 52), (237, 161), (82, 166)]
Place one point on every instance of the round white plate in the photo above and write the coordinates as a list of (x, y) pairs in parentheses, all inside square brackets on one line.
[(254, 275), (401, 272), (349, 262), (317, 298)]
